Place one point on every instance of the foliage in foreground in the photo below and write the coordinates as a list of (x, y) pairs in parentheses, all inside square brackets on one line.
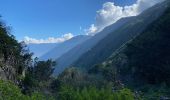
[(92, 93), (38, 76), (9, 91)]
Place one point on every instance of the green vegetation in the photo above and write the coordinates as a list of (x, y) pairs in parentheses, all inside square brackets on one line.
[(10, 91), (114, 40), (38, 77), (68, 93), (14, 57), (143, 63), (17, 68), (148, 54), (139, 70)]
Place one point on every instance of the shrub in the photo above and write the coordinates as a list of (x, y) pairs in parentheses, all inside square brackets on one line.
[(92, 93), (9, 91)]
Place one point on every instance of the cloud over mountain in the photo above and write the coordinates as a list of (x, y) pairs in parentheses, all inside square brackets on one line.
[(110, 13), (63, 38)]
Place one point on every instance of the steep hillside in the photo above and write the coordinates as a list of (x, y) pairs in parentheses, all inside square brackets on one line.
[(145, 59), (115, 39), (71, 56), (141, 64), (148, 54), (41, 49), (15, 64), (13, 57), (64, 47)]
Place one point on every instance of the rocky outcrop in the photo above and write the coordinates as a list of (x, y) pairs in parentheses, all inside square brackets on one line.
[(7, 71)]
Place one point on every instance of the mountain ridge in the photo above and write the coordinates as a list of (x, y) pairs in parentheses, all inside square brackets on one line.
[(64, 47), (113, 41), (72, 55)]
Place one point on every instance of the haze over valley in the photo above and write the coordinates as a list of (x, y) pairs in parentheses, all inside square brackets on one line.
[(85, 50)]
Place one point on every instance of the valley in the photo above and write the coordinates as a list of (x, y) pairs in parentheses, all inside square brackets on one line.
[(127, 60)]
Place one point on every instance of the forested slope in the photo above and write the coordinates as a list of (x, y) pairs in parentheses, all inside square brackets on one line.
[(115, 39)]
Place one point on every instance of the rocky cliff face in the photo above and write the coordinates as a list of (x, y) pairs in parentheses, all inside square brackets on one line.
[(7, 71)]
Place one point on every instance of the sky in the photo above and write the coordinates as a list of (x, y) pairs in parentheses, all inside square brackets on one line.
[(59, 20)]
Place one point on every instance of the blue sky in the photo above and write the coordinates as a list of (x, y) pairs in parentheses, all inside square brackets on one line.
[(51, 18)]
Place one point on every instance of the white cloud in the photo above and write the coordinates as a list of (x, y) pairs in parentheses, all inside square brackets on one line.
[(110, 13), (92, 30), (63, 38)]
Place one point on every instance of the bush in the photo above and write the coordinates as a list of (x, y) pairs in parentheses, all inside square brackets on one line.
[(8, 91), (92, 93)]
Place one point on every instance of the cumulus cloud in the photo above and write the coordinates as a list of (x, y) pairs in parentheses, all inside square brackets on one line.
[(63, 38), (92, 30), (110, 13)]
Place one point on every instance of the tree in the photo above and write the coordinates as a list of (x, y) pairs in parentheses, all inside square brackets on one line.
[(38, 76), (43, 70)]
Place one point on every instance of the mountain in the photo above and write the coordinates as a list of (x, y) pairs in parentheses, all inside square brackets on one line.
[(119, 37), (130, 63), (72, 55), (41, 49), (64, 47), (148, 54), (100, 46), (145, 59), (141, 64)]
